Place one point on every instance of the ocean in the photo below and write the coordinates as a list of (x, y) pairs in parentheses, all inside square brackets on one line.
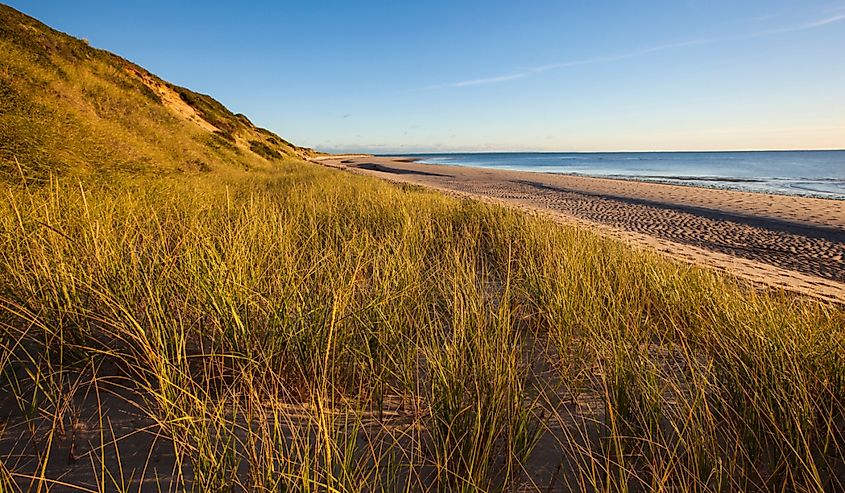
[(808, 173)]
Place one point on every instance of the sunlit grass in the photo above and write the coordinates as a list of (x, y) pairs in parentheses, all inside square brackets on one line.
[(309, 330)]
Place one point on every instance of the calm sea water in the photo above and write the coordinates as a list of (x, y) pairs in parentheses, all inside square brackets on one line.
[(813, 173)]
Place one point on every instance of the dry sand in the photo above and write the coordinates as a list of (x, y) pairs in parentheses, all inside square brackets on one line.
[(790, 242), (171, 100)]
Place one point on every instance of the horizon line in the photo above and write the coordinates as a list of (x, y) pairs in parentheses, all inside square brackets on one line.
[(626, 151)]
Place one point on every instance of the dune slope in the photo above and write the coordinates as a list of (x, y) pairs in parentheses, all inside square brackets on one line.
[(66, 107)]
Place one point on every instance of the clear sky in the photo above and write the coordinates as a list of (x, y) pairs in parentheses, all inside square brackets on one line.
[(391, 76)]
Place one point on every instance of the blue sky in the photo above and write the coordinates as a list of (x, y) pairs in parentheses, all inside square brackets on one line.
[(394, 76)]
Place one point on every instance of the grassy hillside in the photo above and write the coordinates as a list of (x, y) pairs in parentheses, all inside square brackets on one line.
[(185, 305), (66, 107)]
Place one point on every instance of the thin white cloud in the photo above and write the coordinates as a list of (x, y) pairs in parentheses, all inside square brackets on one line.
[(489, 80), (810, 25), (479, 82), (636, 54), (572, 63), (623, 56)]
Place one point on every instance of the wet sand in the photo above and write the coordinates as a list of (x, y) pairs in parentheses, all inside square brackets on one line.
[(790, 242)]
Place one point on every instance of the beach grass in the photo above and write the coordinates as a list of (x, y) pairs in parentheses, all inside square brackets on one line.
[(306, 329)]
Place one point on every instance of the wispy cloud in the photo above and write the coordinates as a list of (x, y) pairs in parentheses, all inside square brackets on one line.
[(478, 82), (808, 25), (640, 53), (572, 63), (622, 56)]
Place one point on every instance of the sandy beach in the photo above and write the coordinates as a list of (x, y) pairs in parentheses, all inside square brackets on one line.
[(790, 242)]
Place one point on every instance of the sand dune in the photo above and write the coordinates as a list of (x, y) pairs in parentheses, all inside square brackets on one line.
[(790, 242)]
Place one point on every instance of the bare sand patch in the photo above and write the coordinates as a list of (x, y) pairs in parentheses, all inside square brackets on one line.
[(172, 101)]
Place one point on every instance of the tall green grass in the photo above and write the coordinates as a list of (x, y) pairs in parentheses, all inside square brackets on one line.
[(309, 330)]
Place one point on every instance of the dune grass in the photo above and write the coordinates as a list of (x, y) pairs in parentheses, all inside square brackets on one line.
[(304, 329)]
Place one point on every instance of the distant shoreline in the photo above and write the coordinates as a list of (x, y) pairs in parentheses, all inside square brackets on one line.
[(815, 173), (402, 154)]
